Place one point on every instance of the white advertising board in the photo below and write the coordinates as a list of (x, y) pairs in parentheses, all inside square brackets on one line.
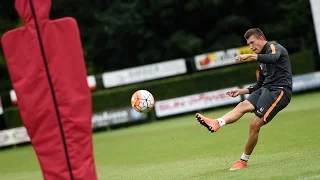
[(195, 102), (315, 8), (13, 136), (92, 82), (1, 108), (144, 73)]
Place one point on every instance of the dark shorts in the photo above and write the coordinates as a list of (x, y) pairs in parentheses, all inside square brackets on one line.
[(268, 103)]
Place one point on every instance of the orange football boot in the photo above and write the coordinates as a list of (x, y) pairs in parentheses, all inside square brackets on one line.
[(240, 164), (211, 124)]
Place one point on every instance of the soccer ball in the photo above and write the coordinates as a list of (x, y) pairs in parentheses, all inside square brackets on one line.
[(142, 101)]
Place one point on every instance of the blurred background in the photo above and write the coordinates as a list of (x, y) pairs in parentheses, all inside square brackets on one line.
[(183, 53), (196, 38), (204, 35)]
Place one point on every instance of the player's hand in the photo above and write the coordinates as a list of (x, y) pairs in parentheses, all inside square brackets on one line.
[(242, 57), (233, 93)]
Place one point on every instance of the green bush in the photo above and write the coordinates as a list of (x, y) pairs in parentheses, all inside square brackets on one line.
[(12, 117), (302, 62)]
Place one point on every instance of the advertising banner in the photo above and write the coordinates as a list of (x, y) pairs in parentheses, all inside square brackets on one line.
[(306, 81), (194, 102), (315, 8), (13, 97), (220, 58), (102, 119), (13, 136), (117, 116), (92, 82), (144, 73), (1, 108)]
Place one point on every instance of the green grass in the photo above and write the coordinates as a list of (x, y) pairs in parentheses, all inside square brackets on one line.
[(179, 148)]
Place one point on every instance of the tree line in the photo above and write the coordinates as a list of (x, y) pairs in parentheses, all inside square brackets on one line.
[(121, 34)]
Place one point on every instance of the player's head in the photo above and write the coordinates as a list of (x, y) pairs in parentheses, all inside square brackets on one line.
[(255, 39)]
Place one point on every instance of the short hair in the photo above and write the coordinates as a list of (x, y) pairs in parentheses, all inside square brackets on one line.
[(254, 32)]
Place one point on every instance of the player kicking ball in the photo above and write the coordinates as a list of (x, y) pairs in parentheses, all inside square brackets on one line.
[(268, 96)]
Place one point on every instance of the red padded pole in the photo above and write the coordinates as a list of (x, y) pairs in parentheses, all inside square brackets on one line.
[(47, 69)]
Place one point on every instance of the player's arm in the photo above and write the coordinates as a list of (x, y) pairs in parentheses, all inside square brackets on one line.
[(237, 92), (258, 84), (271, 57)]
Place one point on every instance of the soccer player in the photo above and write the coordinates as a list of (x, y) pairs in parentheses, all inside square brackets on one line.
[(268, 96)]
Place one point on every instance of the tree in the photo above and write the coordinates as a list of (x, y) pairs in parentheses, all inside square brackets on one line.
[(122, 34)]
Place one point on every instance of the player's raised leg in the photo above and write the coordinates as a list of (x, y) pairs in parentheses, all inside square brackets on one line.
[(235, 114), (214, 124)]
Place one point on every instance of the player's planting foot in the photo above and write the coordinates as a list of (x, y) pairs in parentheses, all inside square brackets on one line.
[(240, 164), (211, 124)]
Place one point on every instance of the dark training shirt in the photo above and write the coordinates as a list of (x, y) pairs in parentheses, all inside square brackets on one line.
[(274, 69)]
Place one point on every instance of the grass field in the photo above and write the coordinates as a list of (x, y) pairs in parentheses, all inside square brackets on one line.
[(179, 148)]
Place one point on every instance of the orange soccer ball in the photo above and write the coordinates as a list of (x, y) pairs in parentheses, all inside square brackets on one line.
[(142, 101)]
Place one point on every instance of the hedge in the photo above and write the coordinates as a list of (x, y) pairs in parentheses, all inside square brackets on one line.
[(302, 62)]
